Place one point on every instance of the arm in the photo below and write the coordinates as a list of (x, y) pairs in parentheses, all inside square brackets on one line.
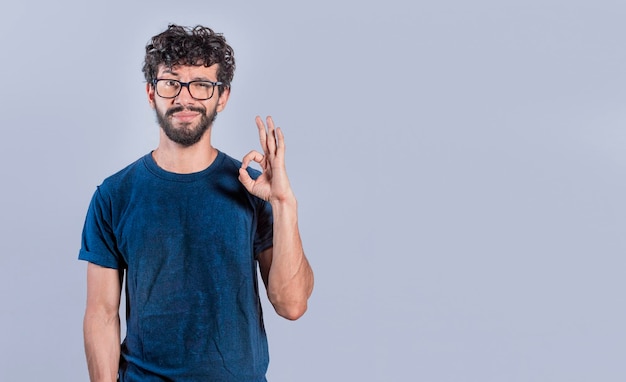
[(101, 325), (285, 270)]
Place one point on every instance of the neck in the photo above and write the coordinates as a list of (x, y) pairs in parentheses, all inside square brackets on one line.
[(173, 157)]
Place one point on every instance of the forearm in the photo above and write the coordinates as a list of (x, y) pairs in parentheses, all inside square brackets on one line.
[(102, 346), (290, 280)]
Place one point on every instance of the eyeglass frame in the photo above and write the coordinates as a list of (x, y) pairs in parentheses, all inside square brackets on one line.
[(185, 85)]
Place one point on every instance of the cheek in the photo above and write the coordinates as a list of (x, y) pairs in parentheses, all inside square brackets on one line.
[(158, 109)]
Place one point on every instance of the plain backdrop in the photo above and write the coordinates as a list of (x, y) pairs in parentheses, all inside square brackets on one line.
[(459, 165)]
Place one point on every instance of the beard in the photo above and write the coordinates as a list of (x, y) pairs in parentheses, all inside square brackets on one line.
[(187, 134)]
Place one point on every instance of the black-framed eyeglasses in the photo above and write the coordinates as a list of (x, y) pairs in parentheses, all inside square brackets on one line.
[(200, 90)]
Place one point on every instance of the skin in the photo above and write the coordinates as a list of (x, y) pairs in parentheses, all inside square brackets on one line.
[(284, 268)]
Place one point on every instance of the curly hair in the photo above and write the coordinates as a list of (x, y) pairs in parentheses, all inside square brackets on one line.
[(190, 46)]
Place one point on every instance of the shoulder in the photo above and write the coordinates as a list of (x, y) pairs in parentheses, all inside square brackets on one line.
[(125, 177), (227, 161), (233, 164)]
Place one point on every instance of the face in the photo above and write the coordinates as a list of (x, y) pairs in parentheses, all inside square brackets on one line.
[(184, 119)]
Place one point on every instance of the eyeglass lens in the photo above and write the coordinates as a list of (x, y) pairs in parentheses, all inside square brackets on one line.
[(201, 90)]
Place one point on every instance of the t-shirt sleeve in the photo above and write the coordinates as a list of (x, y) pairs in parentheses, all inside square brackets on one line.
[(99, 245), (265, 227)]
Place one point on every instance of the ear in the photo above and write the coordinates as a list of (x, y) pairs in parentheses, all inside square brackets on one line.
[(223, 99), (150, 93)]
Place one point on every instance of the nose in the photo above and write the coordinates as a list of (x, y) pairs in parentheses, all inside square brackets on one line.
[(184, 97)]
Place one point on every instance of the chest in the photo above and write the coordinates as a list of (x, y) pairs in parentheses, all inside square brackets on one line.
[(194, 223)]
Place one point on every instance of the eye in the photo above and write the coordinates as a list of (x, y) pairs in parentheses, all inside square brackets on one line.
[(203, 85), (171, 83)]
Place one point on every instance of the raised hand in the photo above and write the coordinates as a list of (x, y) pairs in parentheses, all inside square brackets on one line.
[(272, 185)]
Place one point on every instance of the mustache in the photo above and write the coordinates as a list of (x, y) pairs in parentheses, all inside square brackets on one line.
[(178, 109)]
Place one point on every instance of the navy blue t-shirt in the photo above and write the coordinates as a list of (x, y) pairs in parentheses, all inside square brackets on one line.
[(188, 244)]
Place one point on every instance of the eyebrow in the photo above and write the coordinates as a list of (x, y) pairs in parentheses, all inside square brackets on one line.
[(168, 71), (172, 72)]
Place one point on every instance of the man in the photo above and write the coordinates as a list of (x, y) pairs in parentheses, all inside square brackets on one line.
[(187, 225)]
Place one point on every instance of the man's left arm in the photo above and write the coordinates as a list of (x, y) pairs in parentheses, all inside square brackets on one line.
[(285, 270)]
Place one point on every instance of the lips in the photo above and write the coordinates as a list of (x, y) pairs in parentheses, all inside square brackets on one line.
[(185, 115)]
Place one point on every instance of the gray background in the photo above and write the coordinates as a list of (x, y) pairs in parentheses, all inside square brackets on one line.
[(459, 168)]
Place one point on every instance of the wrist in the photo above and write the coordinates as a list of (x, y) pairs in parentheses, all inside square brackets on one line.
[(285, 203)]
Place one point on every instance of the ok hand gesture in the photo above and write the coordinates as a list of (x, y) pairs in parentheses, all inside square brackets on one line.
[(272, 185)]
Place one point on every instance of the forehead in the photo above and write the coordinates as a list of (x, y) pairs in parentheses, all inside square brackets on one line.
[(189, 71)]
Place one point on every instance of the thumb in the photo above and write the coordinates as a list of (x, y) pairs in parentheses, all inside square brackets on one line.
[(245, 179)]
